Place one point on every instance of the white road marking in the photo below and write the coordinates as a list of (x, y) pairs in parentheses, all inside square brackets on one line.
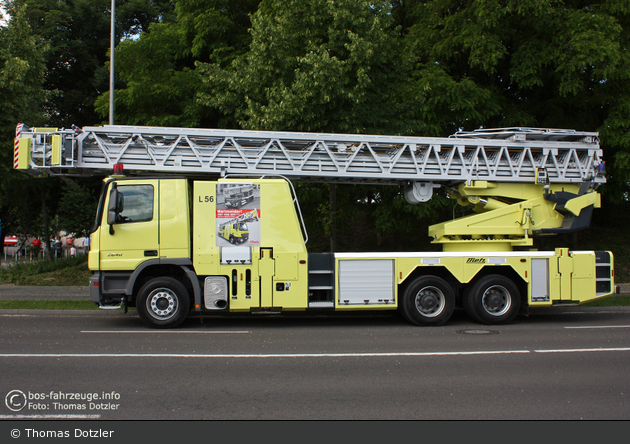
[(247, 355), (579, 350), (600, 326), (299, 355)]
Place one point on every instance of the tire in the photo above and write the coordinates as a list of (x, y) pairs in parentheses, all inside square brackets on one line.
[(493, 299), (428, 300), (163, 303)]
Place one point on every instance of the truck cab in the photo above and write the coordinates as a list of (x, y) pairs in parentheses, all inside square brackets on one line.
[(159, 245)]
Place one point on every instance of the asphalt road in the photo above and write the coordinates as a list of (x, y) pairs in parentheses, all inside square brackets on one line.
[(560, 365)]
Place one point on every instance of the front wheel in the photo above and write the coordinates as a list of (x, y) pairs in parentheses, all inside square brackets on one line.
[(493, 299), (428, 300), (163, 303)]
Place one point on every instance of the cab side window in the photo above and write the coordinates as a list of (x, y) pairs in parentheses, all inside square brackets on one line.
[(137, 203)]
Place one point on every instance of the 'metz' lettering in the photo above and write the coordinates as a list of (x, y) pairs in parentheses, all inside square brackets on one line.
[(476, 260)]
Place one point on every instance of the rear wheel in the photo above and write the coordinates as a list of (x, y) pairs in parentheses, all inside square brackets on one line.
[(163, 303), (428, 300), (493, 299)]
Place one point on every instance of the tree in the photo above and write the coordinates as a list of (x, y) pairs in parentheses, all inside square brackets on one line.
[(53, 56), (78, 205), (158, 80), (525, 63), (78, 33), (312, 66), (21, 99), (322, 66)]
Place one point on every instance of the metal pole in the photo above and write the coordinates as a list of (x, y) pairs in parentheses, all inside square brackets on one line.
[(111, 65)]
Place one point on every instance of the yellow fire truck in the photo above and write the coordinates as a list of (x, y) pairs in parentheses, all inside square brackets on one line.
[(235, 230), (157, 242)]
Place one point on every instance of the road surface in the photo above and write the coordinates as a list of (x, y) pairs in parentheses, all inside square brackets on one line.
[(561, 365)]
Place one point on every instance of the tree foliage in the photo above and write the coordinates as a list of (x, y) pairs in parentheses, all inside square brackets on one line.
[(77, 209), (159, 82), (311, 66), (78, 34), (425, 68), (557, 64), (22, 98), (53, 58)]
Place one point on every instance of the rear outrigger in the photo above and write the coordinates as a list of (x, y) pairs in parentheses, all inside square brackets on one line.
[(169, 241)]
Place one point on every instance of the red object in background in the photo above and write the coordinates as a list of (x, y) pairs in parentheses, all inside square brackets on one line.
[(10, 241), (69, 241), (37, 243)]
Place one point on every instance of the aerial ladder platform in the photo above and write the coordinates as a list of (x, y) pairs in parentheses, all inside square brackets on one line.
[(247, 217), (519, 182)]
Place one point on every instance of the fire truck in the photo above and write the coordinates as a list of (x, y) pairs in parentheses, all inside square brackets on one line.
[(157, 243), (235, 230)]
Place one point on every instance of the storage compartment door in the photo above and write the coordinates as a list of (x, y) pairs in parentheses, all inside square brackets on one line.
[(366, 282)]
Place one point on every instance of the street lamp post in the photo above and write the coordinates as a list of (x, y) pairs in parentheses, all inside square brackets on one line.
[(111, 64)]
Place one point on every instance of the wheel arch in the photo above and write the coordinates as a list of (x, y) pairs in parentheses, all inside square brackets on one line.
[(460, 288), (177, 269), (440, 271)]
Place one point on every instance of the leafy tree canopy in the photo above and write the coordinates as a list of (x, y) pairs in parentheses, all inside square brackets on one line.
[(557, 64), (352, 66), (78, 34), (22, 97)]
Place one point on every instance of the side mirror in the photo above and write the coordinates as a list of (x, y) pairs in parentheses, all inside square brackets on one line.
[(115, 207)]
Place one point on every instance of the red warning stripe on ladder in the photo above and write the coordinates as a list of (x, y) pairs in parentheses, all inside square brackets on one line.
[(16, 145)]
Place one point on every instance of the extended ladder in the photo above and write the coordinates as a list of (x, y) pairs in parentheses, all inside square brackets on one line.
[(250, 216), (505, 155)]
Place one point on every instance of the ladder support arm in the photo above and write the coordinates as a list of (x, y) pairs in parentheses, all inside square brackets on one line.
[(506, 216)]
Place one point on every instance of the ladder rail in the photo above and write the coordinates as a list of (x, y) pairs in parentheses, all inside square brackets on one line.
[(507, 155)]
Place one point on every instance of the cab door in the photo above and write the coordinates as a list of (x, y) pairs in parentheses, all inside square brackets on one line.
[(133, 237)]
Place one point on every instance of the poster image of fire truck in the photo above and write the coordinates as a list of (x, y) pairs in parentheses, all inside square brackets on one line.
[(238, 215)]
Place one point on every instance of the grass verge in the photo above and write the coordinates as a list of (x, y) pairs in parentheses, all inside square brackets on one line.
[(68, 271), (612, 301), (47, 305)]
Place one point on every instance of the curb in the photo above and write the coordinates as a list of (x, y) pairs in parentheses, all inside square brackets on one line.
[(624, 289)]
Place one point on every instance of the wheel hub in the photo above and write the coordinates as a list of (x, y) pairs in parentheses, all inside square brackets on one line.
[(497, 300), (430, 301), (162, 304)]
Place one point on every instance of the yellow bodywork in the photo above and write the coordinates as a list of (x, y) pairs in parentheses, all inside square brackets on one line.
[(165, 236), (275, 275), (283, 259)]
